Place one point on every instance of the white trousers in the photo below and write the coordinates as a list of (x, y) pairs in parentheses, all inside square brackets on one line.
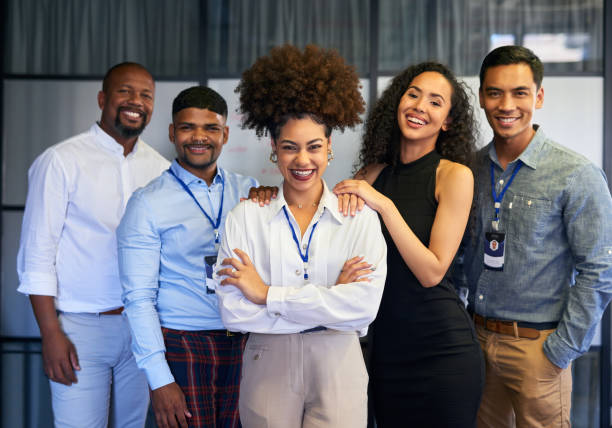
[(108, 379), (305, 380)]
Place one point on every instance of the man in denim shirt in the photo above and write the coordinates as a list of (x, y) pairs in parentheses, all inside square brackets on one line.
[(539, 260)]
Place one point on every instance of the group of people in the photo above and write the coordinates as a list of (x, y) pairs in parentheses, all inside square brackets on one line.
[(249, 313)]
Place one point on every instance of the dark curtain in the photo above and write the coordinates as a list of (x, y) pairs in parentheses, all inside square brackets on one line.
[(86, 37)]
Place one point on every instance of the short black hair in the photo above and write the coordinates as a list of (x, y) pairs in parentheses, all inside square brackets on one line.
[(116, 67), (507, 55), (201, 97)]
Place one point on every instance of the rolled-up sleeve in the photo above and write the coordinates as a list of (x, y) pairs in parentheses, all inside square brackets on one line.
[(139, 247), (588, 223), (43, 221)]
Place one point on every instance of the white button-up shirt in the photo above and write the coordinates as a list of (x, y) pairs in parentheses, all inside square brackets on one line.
[(295, 304), (77, 193)]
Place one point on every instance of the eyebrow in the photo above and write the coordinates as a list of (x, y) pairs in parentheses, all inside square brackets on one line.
[(433, 94), (127, 85), (195, 124), (518, 88), (307, 143)]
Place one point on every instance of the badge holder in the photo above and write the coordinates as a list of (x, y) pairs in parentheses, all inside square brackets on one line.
[(209, 263)]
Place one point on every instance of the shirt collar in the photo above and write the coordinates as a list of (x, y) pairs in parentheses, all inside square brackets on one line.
[(109, 142), (188, 178), (531, 154), (328, 203)]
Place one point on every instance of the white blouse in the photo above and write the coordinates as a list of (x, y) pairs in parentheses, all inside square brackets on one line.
[(295, 304)]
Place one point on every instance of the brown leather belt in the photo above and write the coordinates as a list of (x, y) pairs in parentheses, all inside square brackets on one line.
[(511, 328), (116, 311)]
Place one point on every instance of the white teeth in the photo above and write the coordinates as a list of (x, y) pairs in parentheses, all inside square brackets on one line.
[(132, 114), (303, 173), (507, 119), (415, 120)]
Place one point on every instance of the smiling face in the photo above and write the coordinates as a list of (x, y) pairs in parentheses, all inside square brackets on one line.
[(302, 157), (126, 103), (423, 109), (198, 136), (509, 97)]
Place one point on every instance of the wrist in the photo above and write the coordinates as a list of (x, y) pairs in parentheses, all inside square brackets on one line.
[(264, 297), (385, 207), (51, 331)]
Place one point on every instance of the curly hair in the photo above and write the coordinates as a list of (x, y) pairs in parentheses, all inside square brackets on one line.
[(290, 83), (381, 141)]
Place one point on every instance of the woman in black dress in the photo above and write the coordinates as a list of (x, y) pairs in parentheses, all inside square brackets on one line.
[(426, 364)]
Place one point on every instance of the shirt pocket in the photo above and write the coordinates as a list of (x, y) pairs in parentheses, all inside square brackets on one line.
[(532, 219)]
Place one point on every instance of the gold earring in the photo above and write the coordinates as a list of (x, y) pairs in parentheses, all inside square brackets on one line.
[(330, 156), (273, 157)]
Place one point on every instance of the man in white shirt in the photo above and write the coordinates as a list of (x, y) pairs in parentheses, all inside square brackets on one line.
[(67, 261)]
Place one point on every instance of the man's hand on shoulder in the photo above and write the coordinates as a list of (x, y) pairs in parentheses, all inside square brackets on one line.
[(262, 194), (60, 358), (169, 406)]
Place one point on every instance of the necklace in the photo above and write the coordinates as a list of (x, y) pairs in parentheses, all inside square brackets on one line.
[(300, 206)]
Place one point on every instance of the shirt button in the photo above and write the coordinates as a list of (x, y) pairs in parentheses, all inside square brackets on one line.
[(501, 181), (304, 246), (480, 297), (297, 272)]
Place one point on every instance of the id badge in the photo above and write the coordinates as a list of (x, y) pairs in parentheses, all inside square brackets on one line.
[(494, 250), (209, 263)]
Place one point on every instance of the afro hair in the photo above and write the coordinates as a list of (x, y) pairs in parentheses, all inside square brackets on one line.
[(290, 83)]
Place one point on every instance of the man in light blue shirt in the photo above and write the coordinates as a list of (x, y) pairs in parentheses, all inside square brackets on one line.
[(539, 262), (168, 242)]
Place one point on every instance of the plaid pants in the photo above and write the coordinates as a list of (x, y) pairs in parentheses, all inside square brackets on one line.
[(206, 364)]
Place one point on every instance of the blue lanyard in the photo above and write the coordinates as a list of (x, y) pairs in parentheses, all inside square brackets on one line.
[(214, 224), (303, 256), (498, 198)]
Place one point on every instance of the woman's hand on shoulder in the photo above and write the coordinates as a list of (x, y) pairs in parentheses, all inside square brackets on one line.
[(349, 198), (362, 190)]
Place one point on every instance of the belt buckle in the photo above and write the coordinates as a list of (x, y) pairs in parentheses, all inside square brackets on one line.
[(229, 333)]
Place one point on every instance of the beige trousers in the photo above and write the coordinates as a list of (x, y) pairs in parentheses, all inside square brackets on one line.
[(305, 380), (522, 388)]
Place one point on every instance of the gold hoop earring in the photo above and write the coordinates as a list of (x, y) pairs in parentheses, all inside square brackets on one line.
[(330, 156), (273, 157)]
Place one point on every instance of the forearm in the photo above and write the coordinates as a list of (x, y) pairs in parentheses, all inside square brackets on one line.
[(424, 264), (46, 314), (147, 338), (578, 324), (350, 306)]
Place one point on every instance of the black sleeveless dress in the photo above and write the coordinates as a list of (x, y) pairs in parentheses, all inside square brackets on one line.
[(426, 365)]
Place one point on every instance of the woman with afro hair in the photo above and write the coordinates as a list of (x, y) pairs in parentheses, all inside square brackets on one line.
[(302, 279), (426, 364)]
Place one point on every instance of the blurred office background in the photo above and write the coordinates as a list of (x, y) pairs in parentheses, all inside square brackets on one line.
[(55, 52)]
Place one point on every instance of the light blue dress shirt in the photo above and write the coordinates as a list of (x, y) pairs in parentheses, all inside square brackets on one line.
[(558, 249), (162, 241)]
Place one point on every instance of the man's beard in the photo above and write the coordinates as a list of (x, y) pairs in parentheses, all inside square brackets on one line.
[(127, 131)]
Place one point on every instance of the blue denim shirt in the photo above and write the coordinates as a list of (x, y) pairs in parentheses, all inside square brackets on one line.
[(557, 216)]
